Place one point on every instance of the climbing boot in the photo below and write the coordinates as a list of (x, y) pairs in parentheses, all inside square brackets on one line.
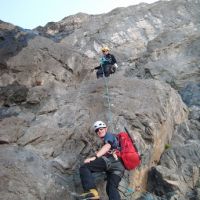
[(91, 194)]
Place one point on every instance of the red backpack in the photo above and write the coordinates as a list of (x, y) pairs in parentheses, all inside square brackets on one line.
[(128, 152)]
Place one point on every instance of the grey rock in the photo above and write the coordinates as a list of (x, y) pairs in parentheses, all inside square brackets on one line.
[(9, 111), (179, 169), (191, 94), (13, 94), (50, 98), (198, 194), (12, 128), (36, 94), (25, 175)]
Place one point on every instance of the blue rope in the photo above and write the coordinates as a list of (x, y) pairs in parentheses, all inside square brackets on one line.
[(108, 99)]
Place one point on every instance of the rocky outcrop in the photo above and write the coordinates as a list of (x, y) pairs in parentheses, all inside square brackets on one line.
[(49, 98), (178, 171), (61, 135)]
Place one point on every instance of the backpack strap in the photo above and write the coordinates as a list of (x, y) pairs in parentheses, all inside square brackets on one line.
[(133, 141)]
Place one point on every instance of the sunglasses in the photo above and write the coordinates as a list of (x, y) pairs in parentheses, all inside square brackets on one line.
[(99, 129)]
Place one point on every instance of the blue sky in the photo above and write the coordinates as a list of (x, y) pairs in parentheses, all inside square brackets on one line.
[(32, 13)]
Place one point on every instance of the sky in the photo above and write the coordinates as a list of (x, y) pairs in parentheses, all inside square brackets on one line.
[(29, 14)]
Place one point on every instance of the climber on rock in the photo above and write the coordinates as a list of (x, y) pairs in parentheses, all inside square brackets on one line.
[(108, 64), (105, 160)]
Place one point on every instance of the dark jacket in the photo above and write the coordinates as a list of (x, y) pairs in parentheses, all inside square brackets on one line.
[(106, 66), (108, 59)]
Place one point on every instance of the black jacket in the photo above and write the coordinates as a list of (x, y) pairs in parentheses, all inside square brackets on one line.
[(108, 59)]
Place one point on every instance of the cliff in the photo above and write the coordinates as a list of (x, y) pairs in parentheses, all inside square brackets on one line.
[(50, 97)]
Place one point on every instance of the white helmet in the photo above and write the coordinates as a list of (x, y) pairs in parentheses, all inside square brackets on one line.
[(99, 124)]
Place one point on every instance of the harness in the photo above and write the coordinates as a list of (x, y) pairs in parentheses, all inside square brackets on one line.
[(105, 60)]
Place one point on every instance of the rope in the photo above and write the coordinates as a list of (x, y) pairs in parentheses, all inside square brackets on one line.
[(107, 90), (108, 100)]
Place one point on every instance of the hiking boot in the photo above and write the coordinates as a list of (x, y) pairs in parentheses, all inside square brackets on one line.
[(92, 194)]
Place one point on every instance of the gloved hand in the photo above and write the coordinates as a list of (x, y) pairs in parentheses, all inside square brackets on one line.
[(116, 66), (112, 69), (98, 67)]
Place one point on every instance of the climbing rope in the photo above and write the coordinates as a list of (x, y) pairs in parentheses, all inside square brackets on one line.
[(108, 99), (99, 40)]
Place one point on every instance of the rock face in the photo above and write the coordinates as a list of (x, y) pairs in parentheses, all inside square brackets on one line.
[(50, 97)]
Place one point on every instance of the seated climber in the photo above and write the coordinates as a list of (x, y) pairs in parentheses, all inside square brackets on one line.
[(106, 161), (108, 64)]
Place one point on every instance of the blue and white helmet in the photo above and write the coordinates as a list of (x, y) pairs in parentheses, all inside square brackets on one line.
[(99, 124)]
